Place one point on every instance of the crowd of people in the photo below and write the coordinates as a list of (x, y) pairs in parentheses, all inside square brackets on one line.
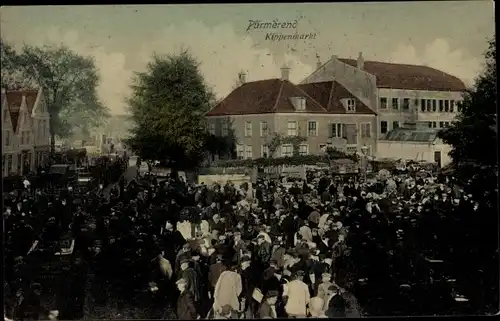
[(330, 246)]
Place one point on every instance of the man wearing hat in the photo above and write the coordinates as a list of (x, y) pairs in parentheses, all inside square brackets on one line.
[(268, 305), (215, 271), (296, 295), (186, 308), (250, 280), (192, 279)]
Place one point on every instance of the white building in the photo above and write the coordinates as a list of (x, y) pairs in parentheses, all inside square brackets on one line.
[(397, 92), (25, 131), (417, 144)]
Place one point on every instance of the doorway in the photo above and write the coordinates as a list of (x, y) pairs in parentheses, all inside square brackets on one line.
[(437, 158)]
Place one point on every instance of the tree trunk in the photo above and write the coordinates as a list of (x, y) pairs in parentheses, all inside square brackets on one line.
[(52, 135)]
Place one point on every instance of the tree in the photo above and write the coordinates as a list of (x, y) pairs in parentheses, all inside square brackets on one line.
[(69, 83), (474, 139), (168, 105), (476, 129)]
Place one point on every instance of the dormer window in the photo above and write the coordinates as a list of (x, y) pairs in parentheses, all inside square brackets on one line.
[(349, 104), (299, 103)]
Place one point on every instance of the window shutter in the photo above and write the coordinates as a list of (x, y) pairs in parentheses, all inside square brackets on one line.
[(344, 131), (330, 130)]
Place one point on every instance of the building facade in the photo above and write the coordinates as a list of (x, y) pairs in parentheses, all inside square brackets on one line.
[(397, 92), (323, 113), (25, 131)]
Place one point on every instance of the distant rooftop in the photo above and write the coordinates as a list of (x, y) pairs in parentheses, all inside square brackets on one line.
[(412, 135)]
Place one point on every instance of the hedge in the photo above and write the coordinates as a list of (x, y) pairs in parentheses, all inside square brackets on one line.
[(288, 161)]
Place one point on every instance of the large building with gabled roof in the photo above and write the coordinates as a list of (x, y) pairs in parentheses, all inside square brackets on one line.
[(399, 93), (345, 103), (325, 113)]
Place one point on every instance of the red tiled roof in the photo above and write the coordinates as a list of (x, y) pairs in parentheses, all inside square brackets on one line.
[(264, 96), (329, 95), (410, 77)]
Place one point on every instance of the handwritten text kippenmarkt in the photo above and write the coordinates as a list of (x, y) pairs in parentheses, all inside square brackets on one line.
[(278, 36)]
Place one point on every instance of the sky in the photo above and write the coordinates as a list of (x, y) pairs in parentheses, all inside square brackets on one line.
[(448, 35)]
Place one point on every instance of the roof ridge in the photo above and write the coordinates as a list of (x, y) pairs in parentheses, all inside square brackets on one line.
[(275, 107), (314, 100)]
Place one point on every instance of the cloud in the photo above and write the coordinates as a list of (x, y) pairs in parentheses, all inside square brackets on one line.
[(223, 54), (440, 55), (115, 78)]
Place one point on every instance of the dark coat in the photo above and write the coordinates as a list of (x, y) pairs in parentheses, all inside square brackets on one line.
[(215, 272), (186, 309)]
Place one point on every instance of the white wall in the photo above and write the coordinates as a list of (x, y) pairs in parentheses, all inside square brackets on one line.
[(413, 151), (389, 115)]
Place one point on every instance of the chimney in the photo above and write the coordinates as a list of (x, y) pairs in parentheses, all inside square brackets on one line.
[(242, 76), (361, 61), (334, 57), (318, 63), (285, 72)]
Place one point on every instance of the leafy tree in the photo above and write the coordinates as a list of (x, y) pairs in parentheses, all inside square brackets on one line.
[(168, 105), (476, 129), (474, 139), (69, 83)]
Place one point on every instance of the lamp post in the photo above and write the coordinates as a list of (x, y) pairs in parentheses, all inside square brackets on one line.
[(364, 151)]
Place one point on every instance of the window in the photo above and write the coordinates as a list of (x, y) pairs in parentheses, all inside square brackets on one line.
[(9, 164), (286, 150), (430, 124), (248, 129), (395, 124), (292, 128), (225, 128), (211, 128), (19, 163), (7, 138), (303, 149), (239, 151), (383, 103), (433, 124), (459, 106), (446, 106), (263, 128), (383, 127), (337, 131), (452, 106), (248, 152), (351, 105), (312, 128), (422, 105), (441, 106), (395, 103), (366, 130), (406, 103), (434, 105), (264, 151), (429, 105), (441, 124)]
